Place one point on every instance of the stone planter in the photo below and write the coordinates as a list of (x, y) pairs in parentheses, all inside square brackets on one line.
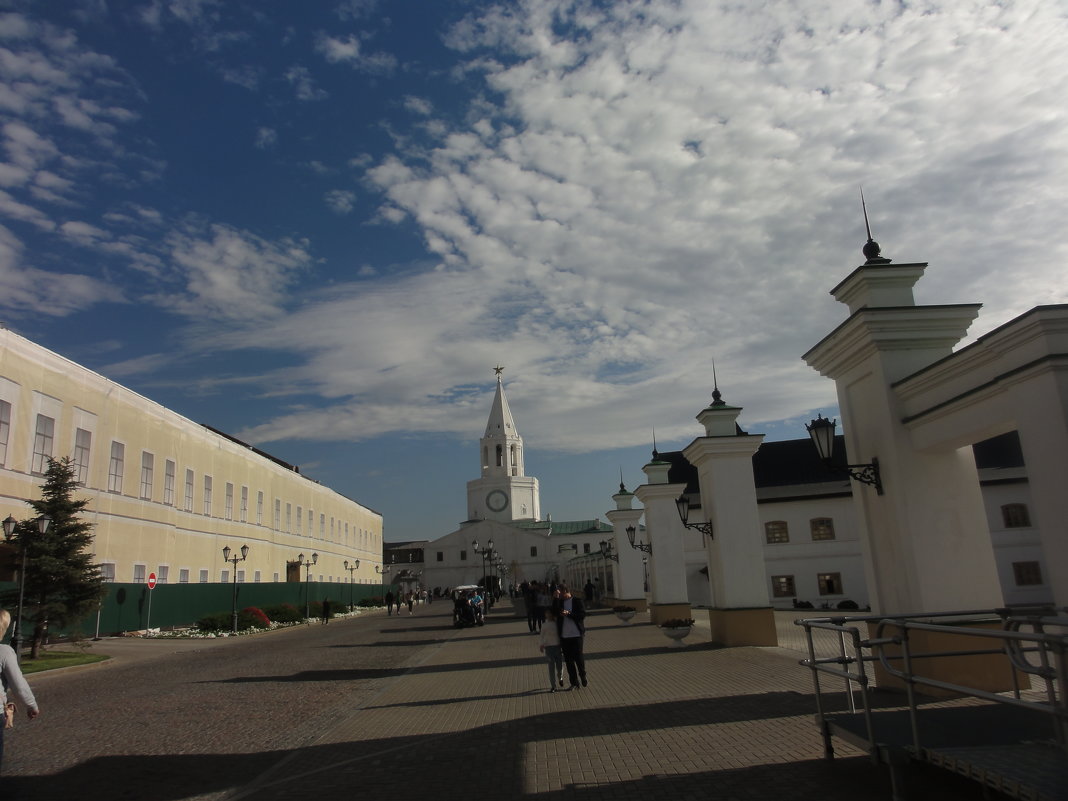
[(625, 616), (676, 635)]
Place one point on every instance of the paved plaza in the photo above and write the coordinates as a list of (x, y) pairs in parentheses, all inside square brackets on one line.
[(396, 706)]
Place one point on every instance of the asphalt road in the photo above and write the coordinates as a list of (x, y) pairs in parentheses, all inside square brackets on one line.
[(192, 719)]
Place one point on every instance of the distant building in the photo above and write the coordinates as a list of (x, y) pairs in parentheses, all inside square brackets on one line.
[(167, 494)]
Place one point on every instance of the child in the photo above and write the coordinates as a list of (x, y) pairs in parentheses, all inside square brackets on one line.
[(549, 644)]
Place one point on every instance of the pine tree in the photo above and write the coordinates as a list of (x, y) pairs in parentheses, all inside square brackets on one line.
[(62, 585)]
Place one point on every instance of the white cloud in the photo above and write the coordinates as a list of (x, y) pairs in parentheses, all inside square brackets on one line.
[(303, 85), (349, 50), (340, 201), (418, 105), (266, 138)]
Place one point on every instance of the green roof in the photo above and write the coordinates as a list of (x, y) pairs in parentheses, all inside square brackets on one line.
[(566, 527)]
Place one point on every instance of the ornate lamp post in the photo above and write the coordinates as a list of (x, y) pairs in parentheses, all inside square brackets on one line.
[(307, 581), (9, 529), (234, 560), (352, 569), (486, 553)]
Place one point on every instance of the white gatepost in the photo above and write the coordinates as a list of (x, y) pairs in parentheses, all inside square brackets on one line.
[(667, 562), (630, 572), (740, 613)]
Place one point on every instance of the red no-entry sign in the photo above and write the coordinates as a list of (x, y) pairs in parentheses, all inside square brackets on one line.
[(152, 581)]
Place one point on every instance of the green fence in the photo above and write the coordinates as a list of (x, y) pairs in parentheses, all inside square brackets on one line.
[(131, 607)]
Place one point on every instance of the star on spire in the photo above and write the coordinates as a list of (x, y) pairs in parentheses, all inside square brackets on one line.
[(498, 370)]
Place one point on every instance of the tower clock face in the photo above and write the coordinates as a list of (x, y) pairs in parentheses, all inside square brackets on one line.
[(497, 501)]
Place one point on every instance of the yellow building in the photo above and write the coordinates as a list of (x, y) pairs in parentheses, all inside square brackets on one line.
[(166, 495)]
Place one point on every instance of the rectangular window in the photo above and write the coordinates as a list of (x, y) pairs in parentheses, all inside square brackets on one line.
[(256, 577), (183, 575), (585, 547), (107, 571), (275, 578), (782, 586), (1015, 515), (259, 508), (830, 583), (207, 495), (82, 444), (139, 574), (776, 531), (162, 572), (229, 501), (224, 576), (189, 490), (533, 550), (5, 429), (822, 528), (1027, 573), (322, 526), (289, 517), (463, 556), (441, 556), (311, 523), (204, 576), (42, 443), (241, 576), (277, 514), (115, 467), (147, 464), (169, 471), (300, 520), (244, 504)]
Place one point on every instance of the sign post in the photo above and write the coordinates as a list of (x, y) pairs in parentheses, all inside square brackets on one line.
[(151, 586)]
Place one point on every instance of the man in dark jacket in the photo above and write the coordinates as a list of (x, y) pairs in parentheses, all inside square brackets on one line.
[(570, 615)]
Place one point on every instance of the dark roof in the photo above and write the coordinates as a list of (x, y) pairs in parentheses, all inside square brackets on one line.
[(566, 527), (775, 464), (1000, 451)]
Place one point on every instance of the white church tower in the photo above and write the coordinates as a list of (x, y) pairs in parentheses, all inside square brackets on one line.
[(502, 492)]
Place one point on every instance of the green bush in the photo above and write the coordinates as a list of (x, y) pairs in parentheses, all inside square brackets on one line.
[(374, 600), (284, 613), (219, 621)]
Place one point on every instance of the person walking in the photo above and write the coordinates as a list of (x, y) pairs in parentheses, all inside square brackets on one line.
[(570, 615), (410, 598), (12, 683), (389, 602), (530, 601), (326, 611), (549, 644)]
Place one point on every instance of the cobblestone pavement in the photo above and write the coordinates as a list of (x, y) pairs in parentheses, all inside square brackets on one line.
[(379, 706)]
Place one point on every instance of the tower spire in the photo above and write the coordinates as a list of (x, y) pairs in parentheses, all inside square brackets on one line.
[(871, 249)]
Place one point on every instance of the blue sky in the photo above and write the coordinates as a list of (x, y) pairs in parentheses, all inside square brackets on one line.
[(319, 226)]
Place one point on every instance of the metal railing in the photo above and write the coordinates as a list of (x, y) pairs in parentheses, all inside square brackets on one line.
[(1034, 641)]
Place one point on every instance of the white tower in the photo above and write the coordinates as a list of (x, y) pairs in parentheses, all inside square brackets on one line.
[(502, 492)]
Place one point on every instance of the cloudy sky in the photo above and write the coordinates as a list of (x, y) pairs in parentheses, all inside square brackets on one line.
[(319, 226)]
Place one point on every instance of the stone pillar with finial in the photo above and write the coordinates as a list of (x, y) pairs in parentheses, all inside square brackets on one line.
[(630, 573), (669, 598)]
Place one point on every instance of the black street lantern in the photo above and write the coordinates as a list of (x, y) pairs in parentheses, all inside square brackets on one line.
[(639, 545), (606, 551), (682, 504), (43, 522), (307, 581), (821, 430)]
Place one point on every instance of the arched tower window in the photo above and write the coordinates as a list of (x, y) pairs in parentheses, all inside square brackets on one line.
[(515, 461), (500, 456), (485, 456)]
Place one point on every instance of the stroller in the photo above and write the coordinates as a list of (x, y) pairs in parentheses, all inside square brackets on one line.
[(463, 614)]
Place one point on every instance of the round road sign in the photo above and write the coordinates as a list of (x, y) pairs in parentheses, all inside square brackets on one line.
[(152, 581)]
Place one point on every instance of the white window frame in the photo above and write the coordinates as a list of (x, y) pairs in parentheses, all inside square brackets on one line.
[(44, 440), (148, 466), (116, 466)]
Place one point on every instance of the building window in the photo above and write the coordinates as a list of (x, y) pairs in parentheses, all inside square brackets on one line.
[(533, 550), (241, 576), (1015, 515), (322, 526), (1027, 573), (189, 490), (42, 443), (244, 504), (204, 576), (229, 501), (169, 470), (441, 556), (585, 547), (148, 462), (115, 466), (777, 531), (256, 577), (300, 520), (82, 444), (275, 578), (463, 556), (224, 576), (277, 514), (259, 508), (162, 572), (5, 429), (830, 583), (207, 496), (183, 575), (139, 574), (822, 528), (783, 586), (107, 571), (289, 517)]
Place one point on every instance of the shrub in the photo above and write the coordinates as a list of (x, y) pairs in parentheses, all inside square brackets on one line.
[(677, 623), (622, 609), (848, 604), (219, 621), (374, 600), (258, 618), (284, 613)]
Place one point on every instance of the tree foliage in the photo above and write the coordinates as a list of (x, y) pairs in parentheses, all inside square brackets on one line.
[(62, 585)]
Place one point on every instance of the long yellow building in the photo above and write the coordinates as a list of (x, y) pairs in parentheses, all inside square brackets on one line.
[(166, 494)]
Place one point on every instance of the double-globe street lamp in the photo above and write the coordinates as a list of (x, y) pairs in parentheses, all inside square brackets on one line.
[(234, 560), (9, 529), (307, 581), (352, 569), (487, 555)]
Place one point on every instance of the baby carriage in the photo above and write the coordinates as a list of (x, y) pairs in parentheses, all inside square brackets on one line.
[(463, 614)]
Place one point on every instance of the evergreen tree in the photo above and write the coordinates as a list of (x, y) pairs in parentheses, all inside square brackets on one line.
[(62, 585)]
